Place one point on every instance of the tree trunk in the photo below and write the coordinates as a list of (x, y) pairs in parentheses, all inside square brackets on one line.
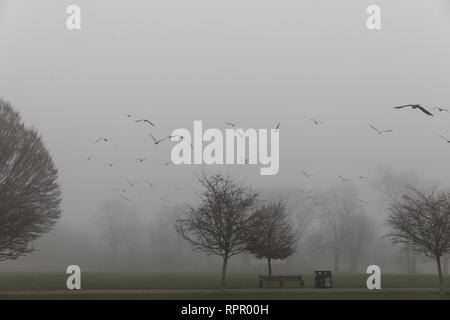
[(445, 271), (224, 272), (441, 278), (269, 264), (353, 262), (337, 259)]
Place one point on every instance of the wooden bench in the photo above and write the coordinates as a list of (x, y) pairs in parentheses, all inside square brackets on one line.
[(281, 280)]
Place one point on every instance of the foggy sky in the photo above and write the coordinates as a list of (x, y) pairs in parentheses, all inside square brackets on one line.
[(258, 62)]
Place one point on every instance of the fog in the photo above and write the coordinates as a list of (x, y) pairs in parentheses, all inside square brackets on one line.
[(255, 62)]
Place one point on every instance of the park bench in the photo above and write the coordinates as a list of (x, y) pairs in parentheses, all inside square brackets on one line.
[(281, 280)]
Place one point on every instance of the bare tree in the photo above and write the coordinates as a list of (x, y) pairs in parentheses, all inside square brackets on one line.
[(166, 246), (120, 226), (421, 221), (337, 207), (359, 234), (219, 223), (393, 186), (29, 192), (272, 235)]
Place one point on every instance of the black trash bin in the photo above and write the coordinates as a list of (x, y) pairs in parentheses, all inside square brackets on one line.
[(322, 278)]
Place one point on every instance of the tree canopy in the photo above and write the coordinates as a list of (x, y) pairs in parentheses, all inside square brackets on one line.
[(29, 192)]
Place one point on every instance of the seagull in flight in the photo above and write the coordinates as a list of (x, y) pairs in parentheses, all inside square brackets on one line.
[(380, 131), (440, 109), (130, 183), (307, 175), (105, 140), (178, 188), (305, 192), (87, 158), (129, 115), (232, 124), (142, 159), (146, 121), (157, 141), (164, 199), (151, 184), (181, 138), (361, 177), (316, 121), (344, 179), (126, 199), (446, 139), (363, 201), (415, 106)]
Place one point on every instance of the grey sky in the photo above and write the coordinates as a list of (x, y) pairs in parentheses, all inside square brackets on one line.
[(258, 62)]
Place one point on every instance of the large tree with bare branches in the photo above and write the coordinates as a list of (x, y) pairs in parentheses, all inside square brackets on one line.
[(219, 222), (421, 221), (29, 192), (272, 235)]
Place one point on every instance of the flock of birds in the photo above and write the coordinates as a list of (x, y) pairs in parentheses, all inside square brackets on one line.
[(307, 195), (126, 191)]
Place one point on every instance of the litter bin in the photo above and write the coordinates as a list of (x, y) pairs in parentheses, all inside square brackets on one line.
[(322, 278)]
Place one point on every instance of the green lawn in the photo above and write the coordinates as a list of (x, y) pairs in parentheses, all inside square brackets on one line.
[(57, 281), (259, 296)]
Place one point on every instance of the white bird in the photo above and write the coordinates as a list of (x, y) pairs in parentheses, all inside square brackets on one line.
[(440, 109), (157, 141), (126, 199), (181, 138), (447, 140), (316, 121), (307, 175), (232, 124), (105, 140), (146, 121), (345, 179), (380, 131)]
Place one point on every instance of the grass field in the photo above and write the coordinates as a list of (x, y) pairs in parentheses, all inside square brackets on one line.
[(57, 281)]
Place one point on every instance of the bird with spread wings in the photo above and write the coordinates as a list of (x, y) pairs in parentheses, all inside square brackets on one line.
[(415, 106)]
